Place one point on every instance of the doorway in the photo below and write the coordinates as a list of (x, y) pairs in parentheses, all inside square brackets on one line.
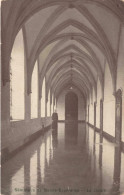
[(71, 106)]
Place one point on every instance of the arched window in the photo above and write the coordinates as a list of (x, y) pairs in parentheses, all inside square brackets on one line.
[(48, 104), (17, 79), (43, 99), (34, 94)]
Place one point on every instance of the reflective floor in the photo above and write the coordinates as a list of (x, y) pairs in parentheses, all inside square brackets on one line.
[(70, 161)]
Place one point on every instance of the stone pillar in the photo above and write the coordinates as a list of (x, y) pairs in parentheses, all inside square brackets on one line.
[(46, 98), (94, 122), (50, 102), (27, 106), (5, 102), (54, 104), (88, 114), (101, 120), (27, 93), (118, 116), (39, 108), (94, 114), (5, 117)]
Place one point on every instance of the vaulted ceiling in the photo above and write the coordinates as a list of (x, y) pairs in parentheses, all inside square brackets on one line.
[(70, 39)]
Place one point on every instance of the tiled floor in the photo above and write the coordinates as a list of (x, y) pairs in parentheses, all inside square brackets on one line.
[(70, 161)]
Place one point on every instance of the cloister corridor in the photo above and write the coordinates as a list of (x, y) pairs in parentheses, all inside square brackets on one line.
[(62, 97)]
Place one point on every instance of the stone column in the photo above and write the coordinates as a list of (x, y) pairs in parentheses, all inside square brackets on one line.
[(50, 102), (94, 122), (5, 119), (94, 114), (88, 114), (27, 106), (27, 94), (46, 98), (101, 120), (118, 116)]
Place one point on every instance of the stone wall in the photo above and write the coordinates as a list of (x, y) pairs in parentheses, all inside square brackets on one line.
[(21, 132)]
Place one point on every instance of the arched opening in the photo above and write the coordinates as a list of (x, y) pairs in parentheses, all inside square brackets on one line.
[(71, 106), (17, 79)]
